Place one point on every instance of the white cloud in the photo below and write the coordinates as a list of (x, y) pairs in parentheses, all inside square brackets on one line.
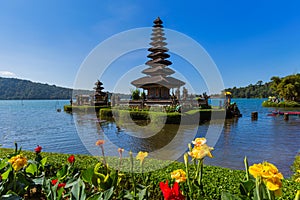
[(7, 74)]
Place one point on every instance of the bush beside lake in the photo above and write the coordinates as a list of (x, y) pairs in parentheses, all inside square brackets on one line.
[(282, 104), (215, 179), (171, 117)]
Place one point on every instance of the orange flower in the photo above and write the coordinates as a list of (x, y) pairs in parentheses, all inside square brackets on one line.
[(100, 142), (199, 141)]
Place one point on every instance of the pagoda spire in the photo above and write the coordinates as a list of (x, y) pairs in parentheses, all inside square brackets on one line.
[(158, 51), (158, 82)]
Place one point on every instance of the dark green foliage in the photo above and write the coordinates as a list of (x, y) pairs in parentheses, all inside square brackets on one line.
[(287, 87), (135, 94), (258, 90), (12, 88), (69, 108), (172, 117)]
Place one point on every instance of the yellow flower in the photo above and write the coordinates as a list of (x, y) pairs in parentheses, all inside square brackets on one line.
[(273, 184), (141, 156), (270, 175), (270, 171), (297, 180), (199, 152), (255, 170), (18, 162), (265, 170), (199, 141), (179, 175)]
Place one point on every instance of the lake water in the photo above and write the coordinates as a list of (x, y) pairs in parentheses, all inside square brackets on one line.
[(37, 122)]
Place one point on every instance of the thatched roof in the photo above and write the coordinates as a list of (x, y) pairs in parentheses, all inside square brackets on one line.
[(158, 70), (147, 81)]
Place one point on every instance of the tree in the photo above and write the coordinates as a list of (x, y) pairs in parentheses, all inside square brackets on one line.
[(135, 94), (289, 87), (259, 83)]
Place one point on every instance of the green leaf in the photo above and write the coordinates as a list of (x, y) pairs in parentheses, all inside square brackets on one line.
[(44, 161), (10, 197), (97, 196), (87, 175), (108, 193), (95, 180), (142, 193), (78, 190), (62, 172), (3, 164), (39, 181), (60, 192), (128, 195), (31, 168), (228, 196), (23, 180), (6, 173), (246, 187)]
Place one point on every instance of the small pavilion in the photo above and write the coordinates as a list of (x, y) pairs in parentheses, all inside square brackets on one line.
[(158, 81), (100, 98)]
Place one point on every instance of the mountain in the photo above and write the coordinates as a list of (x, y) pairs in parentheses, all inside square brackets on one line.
[(12, 88)]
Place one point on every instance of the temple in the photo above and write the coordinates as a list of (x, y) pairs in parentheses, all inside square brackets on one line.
[(158, 81), (100, 98)]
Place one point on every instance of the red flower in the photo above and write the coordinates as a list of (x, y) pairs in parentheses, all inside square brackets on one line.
[(38, 149), (173, 193), (71, 159), (60, 185)]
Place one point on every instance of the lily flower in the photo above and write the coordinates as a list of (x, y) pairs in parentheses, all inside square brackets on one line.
[(171, 193)]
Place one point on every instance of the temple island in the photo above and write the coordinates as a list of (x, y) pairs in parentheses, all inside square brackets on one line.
[(159, 88)]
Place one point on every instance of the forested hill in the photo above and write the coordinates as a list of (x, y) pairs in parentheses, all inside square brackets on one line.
[(259, 90), (12, 88), (287, 87)]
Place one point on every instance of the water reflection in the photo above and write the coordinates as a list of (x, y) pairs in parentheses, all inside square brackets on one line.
[(230, 124), (169, 143), (128, 140)]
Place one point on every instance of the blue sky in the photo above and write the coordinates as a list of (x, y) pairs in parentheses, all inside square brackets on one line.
[(47, 41)]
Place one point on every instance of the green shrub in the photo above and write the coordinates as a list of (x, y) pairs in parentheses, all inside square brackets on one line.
[(282, 104), (296, 168)]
